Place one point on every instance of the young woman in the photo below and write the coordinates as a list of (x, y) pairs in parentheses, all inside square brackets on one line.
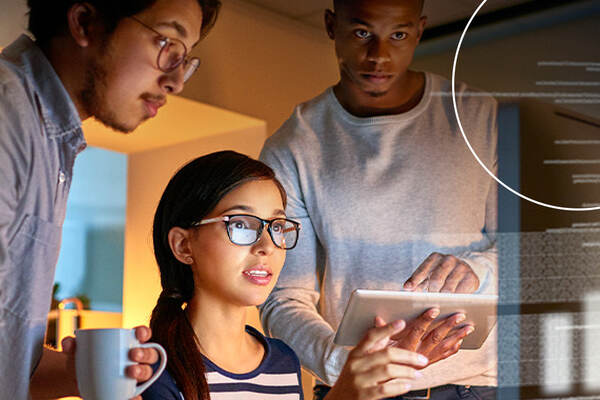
[(220, 239)]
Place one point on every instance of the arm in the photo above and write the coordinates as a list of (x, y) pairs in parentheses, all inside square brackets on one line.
[(474, 270), (290, 312)]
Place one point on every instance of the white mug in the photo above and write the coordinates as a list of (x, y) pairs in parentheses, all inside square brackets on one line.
[(101, 356)]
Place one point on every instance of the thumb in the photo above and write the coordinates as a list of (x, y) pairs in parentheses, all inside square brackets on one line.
[(378, 338), (68, 345)]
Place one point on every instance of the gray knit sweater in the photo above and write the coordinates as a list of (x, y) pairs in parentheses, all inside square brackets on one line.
[(375, 197)]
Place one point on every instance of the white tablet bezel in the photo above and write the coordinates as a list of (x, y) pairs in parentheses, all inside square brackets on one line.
[(364, 305)]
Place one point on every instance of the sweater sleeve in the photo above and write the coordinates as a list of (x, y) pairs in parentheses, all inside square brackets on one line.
[(484, 262), (290, 312)]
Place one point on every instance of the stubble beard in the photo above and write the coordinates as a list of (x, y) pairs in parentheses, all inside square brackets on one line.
[(93, 96)]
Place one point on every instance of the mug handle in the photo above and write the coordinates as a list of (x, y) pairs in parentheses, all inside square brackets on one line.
[(163, 363)]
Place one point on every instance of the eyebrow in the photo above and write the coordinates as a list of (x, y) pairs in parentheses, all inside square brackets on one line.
[(251, 210), (175, 25), (361, 22), (181, 31)]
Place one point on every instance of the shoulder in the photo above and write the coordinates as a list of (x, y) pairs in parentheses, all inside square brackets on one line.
[(280, 355), (305, 117), (466, 94), (164, 388)]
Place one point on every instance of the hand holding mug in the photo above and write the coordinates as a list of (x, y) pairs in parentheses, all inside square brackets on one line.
[(104, 366)]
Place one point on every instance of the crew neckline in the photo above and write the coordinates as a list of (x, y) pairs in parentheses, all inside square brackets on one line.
[(261, 367), (384, 119)]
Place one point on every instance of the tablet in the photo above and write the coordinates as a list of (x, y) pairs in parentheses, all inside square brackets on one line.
[(364, 305)]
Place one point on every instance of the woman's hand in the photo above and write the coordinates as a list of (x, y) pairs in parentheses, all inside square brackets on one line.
[(375, 370)]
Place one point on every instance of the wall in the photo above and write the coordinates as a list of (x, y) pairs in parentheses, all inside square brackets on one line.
[(261, 64), (91, 257), (504, 57)]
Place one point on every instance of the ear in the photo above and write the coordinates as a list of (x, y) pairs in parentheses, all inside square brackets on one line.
[(179, 241), (79, 18), (421, 27), (330, 23)]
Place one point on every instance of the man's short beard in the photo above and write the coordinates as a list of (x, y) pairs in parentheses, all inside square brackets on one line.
[(92, 96), (376, 94)]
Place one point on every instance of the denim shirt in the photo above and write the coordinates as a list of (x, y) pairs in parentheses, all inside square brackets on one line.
[(40, 136)]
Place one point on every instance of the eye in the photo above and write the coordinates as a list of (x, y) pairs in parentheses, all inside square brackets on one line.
[(162, 42), (238, 224), (362, 34), (399, 35), (277, 226)]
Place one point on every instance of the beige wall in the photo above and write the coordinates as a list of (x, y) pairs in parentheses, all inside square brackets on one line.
[(261, 64)]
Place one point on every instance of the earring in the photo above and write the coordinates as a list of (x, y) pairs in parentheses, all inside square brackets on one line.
[(189, 260)]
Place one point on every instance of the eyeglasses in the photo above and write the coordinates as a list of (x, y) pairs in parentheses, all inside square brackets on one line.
[(172, 54), (245, 230)]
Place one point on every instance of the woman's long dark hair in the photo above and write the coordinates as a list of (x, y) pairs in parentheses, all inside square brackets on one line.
[(192, 193)]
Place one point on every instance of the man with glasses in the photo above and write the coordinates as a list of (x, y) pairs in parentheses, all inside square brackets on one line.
[(388, 195), (115, 60)]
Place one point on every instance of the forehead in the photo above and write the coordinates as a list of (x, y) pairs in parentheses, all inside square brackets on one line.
[(263, 196), (184, 17), (378, 11)]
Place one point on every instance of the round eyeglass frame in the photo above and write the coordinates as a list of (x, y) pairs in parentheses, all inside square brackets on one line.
[(190, 65), (264, 222)]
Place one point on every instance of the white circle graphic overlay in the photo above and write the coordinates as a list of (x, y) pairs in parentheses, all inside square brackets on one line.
[(490, 173)]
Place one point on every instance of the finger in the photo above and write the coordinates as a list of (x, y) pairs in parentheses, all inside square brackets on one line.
[(378, 337), (390, 356), (68, 345), (422, 271), (440, 272), (379, 322), (143, 356), (140, 373), (143, 333), (423, 286), (416, 329), (454, 278), (386, 372), (451, 344), (389, 389), (437, 335), (469, 284)]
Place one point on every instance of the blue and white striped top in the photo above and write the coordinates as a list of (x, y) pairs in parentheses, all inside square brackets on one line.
[(276, 378)]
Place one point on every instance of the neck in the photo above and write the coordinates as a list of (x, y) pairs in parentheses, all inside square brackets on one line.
[(403, 96), (220, 329), (70, 70)]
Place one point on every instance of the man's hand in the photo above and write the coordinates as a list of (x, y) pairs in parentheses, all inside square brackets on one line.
[(376, 371), (144, 357), (435, 344), (443, 273)]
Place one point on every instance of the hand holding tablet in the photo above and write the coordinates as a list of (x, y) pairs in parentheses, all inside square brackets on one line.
[(365, 305)]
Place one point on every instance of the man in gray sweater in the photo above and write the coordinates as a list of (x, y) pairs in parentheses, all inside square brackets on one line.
[(388, 195)]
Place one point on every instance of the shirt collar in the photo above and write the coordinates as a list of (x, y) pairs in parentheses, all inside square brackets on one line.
[(58, 112)]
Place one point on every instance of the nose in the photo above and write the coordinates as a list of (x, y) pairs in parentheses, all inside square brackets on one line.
[(378, 51), (172, 82), (264, 245)]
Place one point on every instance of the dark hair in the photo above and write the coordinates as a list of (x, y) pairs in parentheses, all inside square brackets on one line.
[(48, 18), (192, 193), (340, 3)]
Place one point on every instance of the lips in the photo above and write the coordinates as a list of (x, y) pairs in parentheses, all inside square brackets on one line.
[(153, 104), (376, 77), (258, 275)]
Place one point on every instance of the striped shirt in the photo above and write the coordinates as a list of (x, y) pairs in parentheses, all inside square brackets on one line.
[(276, 378)]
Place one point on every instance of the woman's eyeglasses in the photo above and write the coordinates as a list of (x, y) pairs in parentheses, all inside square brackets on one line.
[(245, 230), (172, 54)]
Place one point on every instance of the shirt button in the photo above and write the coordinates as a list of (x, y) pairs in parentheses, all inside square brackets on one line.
[(61, 177)]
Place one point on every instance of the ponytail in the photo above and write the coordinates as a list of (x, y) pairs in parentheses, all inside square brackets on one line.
[(171, 328)]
